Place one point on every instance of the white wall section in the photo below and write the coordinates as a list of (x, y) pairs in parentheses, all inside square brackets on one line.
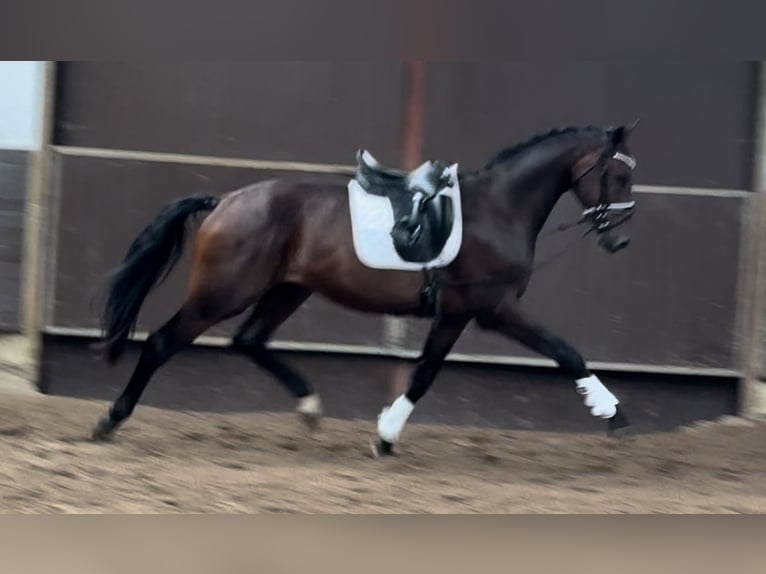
[(21, 101)]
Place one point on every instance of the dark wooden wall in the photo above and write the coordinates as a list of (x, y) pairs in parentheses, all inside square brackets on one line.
[(293, 111), (668, 300), (697, 118), (13, 173)]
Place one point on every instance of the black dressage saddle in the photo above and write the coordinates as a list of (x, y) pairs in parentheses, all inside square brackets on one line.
[(423, 217)]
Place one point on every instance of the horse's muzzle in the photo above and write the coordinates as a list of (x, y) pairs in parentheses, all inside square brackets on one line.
[(613, 242)]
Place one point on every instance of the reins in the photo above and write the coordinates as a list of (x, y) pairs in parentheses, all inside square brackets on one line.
[(439, 283)]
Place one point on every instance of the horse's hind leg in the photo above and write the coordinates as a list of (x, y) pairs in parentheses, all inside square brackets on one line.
[(185, 326), (273, 309)]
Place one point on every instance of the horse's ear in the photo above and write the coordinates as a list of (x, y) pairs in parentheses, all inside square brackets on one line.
[(617, 135), (620, 134)]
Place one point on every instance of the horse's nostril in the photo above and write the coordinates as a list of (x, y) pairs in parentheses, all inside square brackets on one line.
[(622, 242), (614, 243)]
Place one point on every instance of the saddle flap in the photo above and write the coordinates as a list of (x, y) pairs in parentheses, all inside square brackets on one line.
[(389, 233), (433, 229)]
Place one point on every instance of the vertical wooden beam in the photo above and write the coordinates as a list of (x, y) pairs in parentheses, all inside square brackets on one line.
[(36, 231), (395, 328), (752, 310), (412, 145)]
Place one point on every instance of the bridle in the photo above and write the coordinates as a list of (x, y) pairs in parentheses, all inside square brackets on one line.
[(598, 215)]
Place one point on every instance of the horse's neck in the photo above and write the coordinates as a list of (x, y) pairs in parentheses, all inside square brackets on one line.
[(531, 189)]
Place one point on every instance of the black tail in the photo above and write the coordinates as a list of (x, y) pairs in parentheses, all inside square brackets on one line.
[(147, 263)]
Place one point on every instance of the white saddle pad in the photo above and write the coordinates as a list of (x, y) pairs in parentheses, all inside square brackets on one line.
[(372, 219)]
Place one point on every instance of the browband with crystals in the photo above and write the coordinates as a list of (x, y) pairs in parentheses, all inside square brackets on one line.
[(626, 159)]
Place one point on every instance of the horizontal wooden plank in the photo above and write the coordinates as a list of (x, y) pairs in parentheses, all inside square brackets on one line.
[(294, 111), (656, 303), (10, 274), (104, 205), (669, 299), (357, 387), (13, 173), (11, 237)]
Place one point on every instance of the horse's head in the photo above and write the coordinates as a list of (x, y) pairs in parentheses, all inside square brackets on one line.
[(603, 182)]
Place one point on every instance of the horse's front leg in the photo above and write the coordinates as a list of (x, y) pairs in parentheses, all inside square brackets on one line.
[(441, 339), (507, 319)]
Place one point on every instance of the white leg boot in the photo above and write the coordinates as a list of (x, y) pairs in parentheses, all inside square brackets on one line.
[(598, 398), (392, 419)]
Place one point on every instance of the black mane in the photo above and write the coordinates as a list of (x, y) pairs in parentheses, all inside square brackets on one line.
[(512, 151)]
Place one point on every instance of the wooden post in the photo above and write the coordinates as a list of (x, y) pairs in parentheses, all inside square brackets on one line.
[(38, 208), (412, 148), (752, 388), (395, 328)]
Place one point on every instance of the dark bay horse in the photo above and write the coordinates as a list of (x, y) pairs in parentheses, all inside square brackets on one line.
[(267, 247)]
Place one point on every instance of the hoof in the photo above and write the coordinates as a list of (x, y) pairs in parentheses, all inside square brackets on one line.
[(104, 429), (618, 425), (382, 448), (312, 421), (309, 409)]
